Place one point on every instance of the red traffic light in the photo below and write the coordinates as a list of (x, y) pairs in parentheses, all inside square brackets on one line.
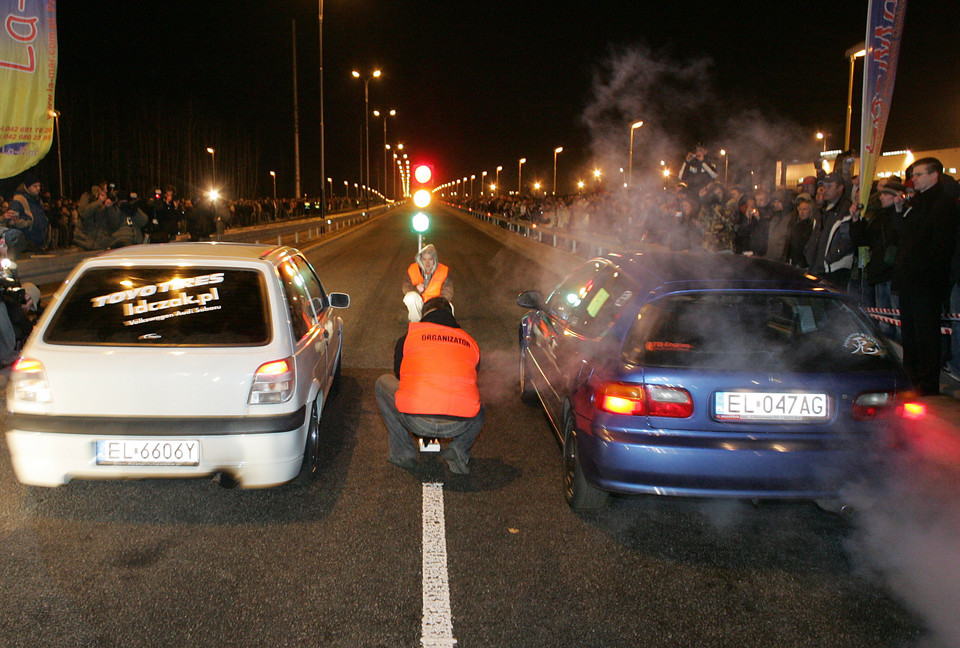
[(423, 174)]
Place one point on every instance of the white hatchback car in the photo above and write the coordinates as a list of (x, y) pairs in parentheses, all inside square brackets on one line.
[(178, 360)]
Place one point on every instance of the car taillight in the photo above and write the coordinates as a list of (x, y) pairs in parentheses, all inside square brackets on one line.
[(273, 382), (29, 380), (910, 408), (640, 400), (871, 405)]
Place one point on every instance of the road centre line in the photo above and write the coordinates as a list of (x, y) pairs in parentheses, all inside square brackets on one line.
[(437, 627)]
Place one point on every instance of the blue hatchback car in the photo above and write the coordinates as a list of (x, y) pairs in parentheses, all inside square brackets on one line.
[(707, 376)]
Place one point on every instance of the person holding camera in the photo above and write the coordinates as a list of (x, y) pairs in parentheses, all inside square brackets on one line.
[(18, 301), (697, 170)]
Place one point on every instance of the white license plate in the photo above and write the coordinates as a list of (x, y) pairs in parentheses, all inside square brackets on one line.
[(148, 452), (771, 406)]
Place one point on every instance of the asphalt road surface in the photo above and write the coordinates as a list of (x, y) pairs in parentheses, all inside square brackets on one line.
[(340, 561)]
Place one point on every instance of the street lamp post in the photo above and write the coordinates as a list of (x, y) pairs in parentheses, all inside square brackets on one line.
[(386, 146), (726, 164), (56, 124), (520, 176), (483, 181), (853, 54), (273, 174), (473, 177), (366, 127), (323, 171), (213, 163), (556, 152), (823, 137), (634, 126), (499, 169), (330, 180)]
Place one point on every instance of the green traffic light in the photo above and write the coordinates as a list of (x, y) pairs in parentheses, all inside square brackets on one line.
[(421, 222)]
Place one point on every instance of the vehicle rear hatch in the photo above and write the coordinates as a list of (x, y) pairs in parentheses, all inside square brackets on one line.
[(763, 362), (159, 341)]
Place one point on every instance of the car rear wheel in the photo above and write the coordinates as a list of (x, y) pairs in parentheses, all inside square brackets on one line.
[(580, 495), (311, 451)]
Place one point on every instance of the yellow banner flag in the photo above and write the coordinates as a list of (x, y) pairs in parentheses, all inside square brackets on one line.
[(28, 75)]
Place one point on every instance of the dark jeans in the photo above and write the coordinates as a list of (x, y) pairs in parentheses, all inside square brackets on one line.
[(460, 431)]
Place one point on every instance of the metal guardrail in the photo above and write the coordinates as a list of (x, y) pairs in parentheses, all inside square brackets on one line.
[(52, 268), (579, 244)]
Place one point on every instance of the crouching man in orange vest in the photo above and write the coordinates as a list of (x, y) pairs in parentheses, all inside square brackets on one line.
[(426, 278), (434, 392)]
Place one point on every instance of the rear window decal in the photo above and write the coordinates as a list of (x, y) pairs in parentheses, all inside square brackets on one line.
[(152, 289), (668, 346), (133, 303), (863, 344)]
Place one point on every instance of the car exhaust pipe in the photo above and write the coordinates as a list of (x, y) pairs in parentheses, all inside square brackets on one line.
[(226, 480)]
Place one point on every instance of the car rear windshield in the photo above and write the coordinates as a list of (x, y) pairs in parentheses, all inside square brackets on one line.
[(163, 306), (750, 330)]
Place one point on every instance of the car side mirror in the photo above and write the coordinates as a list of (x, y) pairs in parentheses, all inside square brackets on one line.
[(339, 300), (530, 299)]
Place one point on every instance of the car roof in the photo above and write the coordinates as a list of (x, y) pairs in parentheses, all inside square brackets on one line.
[(678, 271), (202, 251)]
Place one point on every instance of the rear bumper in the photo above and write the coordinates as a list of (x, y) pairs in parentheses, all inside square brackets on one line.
[(651, 463), (257, 457), (156, 425)]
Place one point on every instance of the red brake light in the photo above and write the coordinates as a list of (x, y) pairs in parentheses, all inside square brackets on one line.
[(273, 382), (621, 398), (639, 400), (913, 410)]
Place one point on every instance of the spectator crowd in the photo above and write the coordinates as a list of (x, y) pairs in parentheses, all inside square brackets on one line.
[(107, 217), (895, 247)]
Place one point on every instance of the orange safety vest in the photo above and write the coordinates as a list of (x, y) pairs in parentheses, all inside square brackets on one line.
[(438, 373), (436, 281)]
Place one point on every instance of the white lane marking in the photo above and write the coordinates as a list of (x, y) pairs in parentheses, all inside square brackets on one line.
[(437, 628)]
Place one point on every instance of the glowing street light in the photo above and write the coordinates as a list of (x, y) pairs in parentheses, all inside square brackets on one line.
[(853, 53), (497, 183), (726, 164), (56, 122), (634, 126), (520, 176), (556, 152), (386, 146), (213, 162), (822, 137), (366, 123), (273, 174), (483, 179)]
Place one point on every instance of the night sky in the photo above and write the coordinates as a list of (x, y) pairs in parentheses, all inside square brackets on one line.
[(481, 84)]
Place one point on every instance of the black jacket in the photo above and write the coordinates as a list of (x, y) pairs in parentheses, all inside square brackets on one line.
[(927, 241), (880, 234)]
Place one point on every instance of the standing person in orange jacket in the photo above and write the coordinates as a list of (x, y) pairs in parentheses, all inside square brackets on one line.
[(426, 278), (433, 391)]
